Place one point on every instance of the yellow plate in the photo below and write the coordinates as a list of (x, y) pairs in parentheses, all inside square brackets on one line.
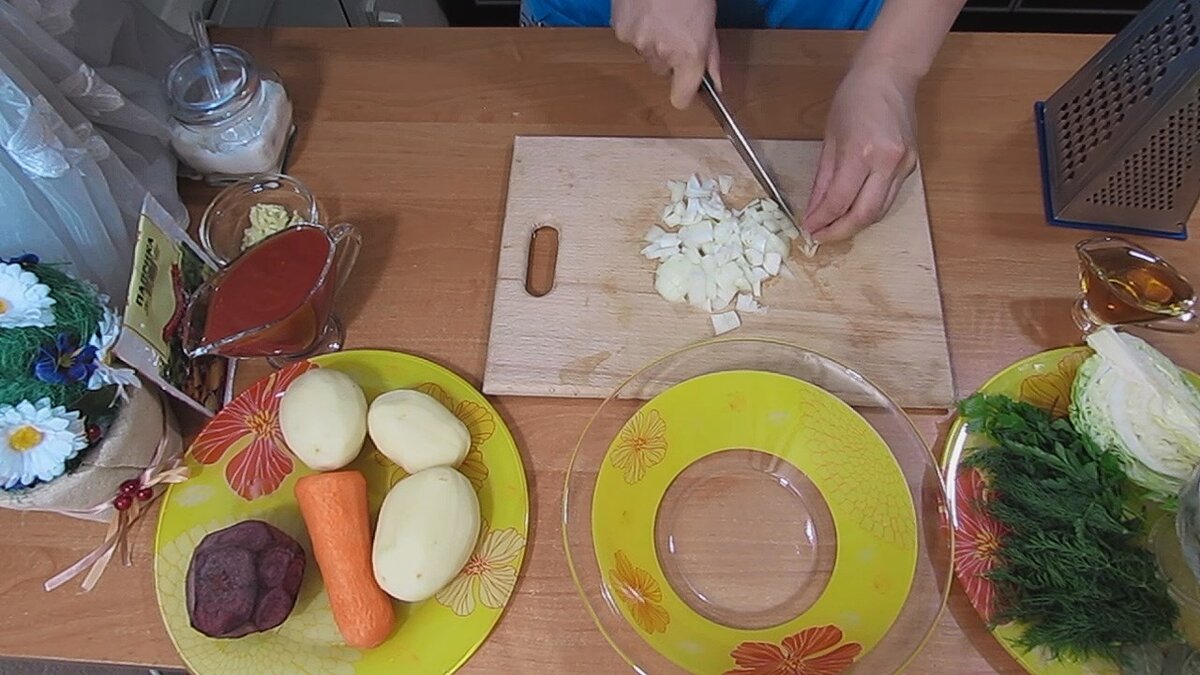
[(241, 470), (1043, 380), (801, 425)]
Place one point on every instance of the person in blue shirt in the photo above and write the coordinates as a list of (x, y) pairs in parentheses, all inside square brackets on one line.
[(870, 134)]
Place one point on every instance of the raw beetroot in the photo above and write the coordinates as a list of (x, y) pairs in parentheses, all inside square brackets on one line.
[(243, 579)]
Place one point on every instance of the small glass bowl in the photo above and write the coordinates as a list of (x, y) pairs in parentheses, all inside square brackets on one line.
[(746, 540), (227, 218)]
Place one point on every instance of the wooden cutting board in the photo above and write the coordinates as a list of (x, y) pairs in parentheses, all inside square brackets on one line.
[(872, 303)]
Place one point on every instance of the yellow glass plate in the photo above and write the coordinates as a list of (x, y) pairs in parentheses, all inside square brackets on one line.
[(802, 425), (242, 470), (1043, 380)]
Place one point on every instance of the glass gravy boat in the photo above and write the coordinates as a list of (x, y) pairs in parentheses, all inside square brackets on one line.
[(276, 299), (1123, 284)]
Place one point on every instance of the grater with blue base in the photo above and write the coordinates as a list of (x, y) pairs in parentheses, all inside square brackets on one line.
[(1120, 141)]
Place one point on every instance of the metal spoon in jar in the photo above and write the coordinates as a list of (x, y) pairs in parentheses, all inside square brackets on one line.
[(207, 60)]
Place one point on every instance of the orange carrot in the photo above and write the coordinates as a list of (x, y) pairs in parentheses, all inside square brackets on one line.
[(334, 506)]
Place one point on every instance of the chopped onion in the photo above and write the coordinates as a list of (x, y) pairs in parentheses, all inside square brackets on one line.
[(725, 182), (677, 188), (654, 234), (670, 279), (747, 303), (710, 256), (771, 263), (725, 322)]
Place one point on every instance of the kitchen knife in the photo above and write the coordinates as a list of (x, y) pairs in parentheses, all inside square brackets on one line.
[(744, 148)]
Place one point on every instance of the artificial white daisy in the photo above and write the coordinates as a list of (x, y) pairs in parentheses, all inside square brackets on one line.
[(24, 301), (105, 374), (36, 441)]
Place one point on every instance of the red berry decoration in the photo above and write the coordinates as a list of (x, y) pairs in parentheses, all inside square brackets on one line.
[(123, 502), (130, 486), (145, 494), (93, 433)]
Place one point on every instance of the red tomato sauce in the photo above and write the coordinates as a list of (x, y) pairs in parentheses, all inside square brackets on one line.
[(274, 284)]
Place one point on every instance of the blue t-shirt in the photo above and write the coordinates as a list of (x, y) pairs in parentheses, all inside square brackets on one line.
[(831, 14)]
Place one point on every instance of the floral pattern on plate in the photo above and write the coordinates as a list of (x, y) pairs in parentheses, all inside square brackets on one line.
[(640, 594), (489, 575), (1052, 390), (249, 427), (977, 546), (813, 651), (846, 454), (642, 444)]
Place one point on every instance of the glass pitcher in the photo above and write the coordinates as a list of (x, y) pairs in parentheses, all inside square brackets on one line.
[(276, 299), (1124, 284)]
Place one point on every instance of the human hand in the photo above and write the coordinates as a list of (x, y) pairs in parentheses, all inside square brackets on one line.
[(870, 148), (678, 37)]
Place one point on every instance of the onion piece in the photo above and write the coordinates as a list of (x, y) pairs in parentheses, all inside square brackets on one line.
[(723, 297), (724, 322), (671, 278), (677, 188), (771, 263), (747, 303), (725, 182)]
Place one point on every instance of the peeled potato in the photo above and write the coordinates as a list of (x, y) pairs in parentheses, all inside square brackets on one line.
[(323, 416), (427, 529), (415, 431)]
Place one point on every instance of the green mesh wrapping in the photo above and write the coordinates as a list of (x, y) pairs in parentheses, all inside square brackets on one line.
[(77, 311)]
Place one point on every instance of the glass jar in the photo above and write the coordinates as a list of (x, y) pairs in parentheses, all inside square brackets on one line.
[(231, 120)]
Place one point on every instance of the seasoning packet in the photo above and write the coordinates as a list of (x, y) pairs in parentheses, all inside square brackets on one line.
[(168, 267)]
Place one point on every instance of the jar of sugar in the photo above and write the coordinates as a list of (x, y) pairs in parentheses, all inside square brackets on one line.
[(231, 119)]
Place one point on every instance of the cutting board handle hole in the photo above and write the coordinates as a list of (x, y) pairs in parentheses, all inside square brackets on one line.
[(543, 259)]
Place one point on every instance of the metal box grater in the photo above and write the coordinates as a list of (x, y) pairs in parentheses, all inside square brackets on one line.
[(1120, 141)]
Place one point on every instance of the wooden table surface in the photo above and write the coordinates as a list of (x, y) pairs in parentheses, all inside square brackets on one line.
[(408, 135)]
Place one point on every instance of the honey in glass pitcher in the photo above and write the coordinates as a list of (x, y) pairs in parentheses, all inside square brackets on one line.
[(1124, 284)]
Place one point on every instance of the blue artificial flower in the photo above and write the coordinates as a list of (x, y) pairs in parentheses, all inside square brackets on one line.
[(26, 259), (65, 361)]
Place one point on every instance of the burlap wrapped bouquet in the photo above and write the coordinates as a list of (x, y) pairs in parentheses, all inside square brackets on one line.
[(79, 435), (90, 489)]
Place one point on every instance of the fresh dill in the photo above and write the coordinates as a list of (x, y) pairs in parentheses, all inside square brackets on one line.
[(1071, 568)]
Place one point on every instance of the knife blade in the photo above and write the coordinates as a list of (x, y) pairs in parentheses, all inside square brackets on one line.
[(746, 150)]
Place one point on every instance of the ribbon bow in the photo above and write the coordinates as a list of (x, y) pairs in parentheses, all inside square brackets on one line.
[(161, 471)]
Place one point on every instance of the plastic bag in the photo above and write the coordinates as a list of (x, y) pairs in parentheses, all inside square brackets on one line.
[(84, 131)]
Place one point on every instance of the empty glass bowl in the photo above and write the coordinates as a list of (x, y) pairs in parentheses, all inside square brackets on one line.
[(227, 219), (747, 505)]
